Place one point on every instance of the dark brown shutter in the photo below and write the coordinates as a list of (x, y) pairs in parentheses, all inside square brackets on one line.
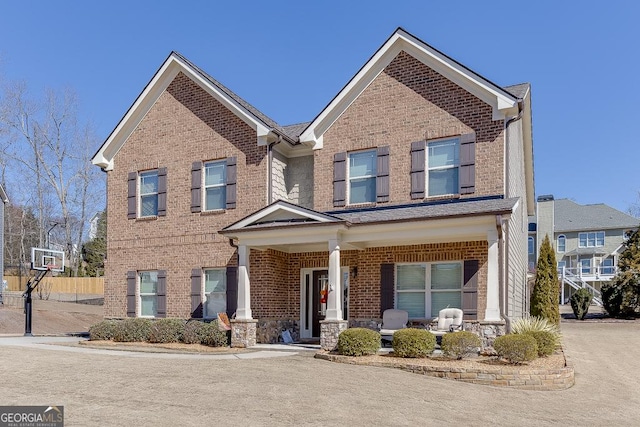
[(132, 181), (131, 293), (470, 289), (161, 294), (382, 180), (231, 182), (196, 187), (339, 179), (418, 163), (232, 290), (196, 293), (387, 288), (162, 191), (468, 163)]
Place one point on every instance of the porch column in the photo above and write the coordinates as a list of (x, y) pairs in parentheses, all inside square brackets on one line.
[(492, 312), (333, 323), (243, 311)]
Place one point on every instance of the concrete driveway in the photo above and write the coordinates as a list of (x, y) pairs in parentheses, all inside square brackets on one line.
[(114, 390)]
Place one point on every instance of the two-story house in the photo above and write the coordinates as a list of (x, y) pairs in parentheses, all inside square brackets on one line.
[(410, 189), (587, 240)]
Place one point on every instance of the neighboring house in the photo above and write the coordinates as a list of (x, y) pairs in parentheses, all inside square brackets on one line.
[(3, 200), (411, 189), (93, 225), (587, 240)]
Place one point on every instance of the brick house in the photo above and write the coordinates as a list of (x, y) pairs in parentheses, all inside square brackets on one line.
[(411, 189)]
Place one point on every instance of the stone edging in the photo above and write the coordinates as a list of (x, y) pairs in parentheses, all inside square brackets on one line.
[(521, 378)]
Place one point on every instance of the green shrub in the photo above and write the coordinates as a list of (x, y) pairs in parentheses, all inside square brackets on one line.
[(533, 324), (580, 302), (193, 332), (358, 342), (516, 348), (620, 300), (212, 336), (132, 330), (460, 344), (412, 342), (545, 295), (166, 330), (103, 330), (545, 341)]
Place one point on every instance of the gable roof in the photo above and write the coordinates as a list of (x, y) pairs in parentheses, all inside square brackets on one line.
[(500, 99), (571, 216)]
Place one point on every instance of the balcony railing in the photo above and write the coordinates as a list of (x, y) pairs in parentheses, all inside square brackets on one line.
[(601, 272)]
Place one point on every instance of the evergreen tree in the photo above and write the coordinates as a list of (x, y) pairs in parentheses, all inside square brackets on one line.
[(94, 251), (622, 296), (546, 293)]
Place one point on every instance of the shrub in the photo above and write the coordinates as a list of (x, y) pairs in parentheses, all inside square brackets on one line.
[(413, 342), (460, 344), (212, 336), (580, 302), (166, 330), (193, 332), (545, 341), (516, 348), (358, 342), (103, 330), (533, 324), (132, 330), (620, 300), (545, 295)]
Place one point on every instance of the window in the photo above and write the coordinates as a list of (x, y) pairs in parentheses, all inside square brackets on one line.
[(424, 289), (562, 243), (149, 193), (607, 266), (148, 293), (215, 292), (362, 177), (561, 265), (585, 265), (591, 239), (443, 160), (215, 190), (532, 246)]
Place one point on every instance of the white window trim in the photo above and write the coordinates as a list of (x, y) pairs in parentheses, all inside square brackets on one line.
[(427, 288), (140, 194), (203, 295), (204, 185), (139, 294), (595, 233), (349, 177), (427, 169), (564, 239)]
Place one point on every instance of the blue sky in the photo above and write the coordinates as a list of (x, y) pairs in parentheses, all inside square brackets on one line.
[(289, 58)]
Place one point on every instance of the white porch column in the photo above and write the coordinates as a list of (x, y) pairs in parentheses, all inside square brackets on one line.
[(334, 299), (243, 311), (492, 312)]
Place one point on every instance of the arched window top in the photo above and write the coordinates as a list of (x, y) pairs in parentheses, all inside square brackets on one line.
[(562, 243)]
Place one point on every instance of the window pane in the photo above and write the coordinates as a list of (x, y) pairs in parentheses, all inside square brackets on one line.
[(561, 244), (583, 240), (586, 266), (216, 198), (443, 153), (214, 281), (149, 205), (149, 182), (592, 240), (443, 182), (215, 303), (412, 302), (362, 190), (440, 300), (215, 173), (148, 282), (411, 277), (531, 247), (362, 164), (600, 238), (148, 305), (446, 276)]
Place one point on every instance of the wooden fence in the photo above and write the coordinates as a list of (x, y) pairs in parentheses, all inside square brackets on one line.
[(62, 285)]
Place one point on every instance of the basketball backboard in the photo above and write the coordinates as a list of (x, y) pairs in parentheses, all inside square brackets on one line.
[(47, 259)]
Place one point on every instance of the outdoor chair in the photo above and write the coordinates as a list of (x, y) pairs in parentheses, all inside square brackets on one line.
[(449, 320), (392, 320)]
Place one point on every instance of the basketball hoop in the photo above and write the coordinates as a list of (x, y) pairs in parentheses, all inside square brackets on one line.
[(52, 267)]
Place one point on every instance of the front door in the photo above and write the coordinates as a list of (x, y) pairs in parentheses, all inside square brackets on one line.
[(319, 299)]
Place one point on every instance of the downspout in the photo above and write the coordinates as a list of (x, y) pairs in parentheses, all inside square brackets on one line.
[(502, 291), (235, 246), (270, 166)]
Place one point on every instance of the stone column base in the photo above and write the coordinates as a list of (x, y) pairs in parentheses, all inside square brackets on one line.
[(329, 331), (243, 333)]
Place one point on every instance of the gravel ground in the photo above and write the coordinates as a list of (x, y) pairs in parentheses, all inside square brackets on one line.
[(51, 317)]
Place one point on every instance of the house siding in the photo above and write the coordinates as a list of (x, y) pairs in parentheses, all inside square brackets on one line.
[(184, 125), (292, 179), (409, 102)]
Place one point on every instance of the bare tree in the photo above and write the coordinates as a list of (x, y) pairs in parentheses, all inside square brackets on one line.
[(634, 209)]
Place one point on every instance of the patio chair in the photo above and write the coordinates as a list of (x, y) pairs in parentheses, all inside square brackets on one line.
[(449, 320), (392, 320)]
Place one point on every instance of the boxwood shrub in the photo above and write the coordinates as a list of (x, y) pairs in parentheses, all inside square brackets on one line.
[(132, 330), (358, 342), (516, 348), (193, 332), (545, 340), (412, 342), (460, 344), (212, 336), (166, 331), (103, 330)]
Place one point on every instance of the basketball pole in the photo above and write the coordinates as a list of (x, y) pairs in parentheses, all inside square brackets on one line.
[(32, 284)]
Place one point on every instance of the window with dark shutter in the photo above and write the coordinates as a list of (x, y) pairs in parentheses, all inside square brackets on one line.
[(196, 293), (339, 179), (418, 178), (231, 182), (161, 300), (162, 191), (470, 289), (382, 179), (467, 163), (131, 293), (232, 290), (196, 184), (387, 287), (132, 181)]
